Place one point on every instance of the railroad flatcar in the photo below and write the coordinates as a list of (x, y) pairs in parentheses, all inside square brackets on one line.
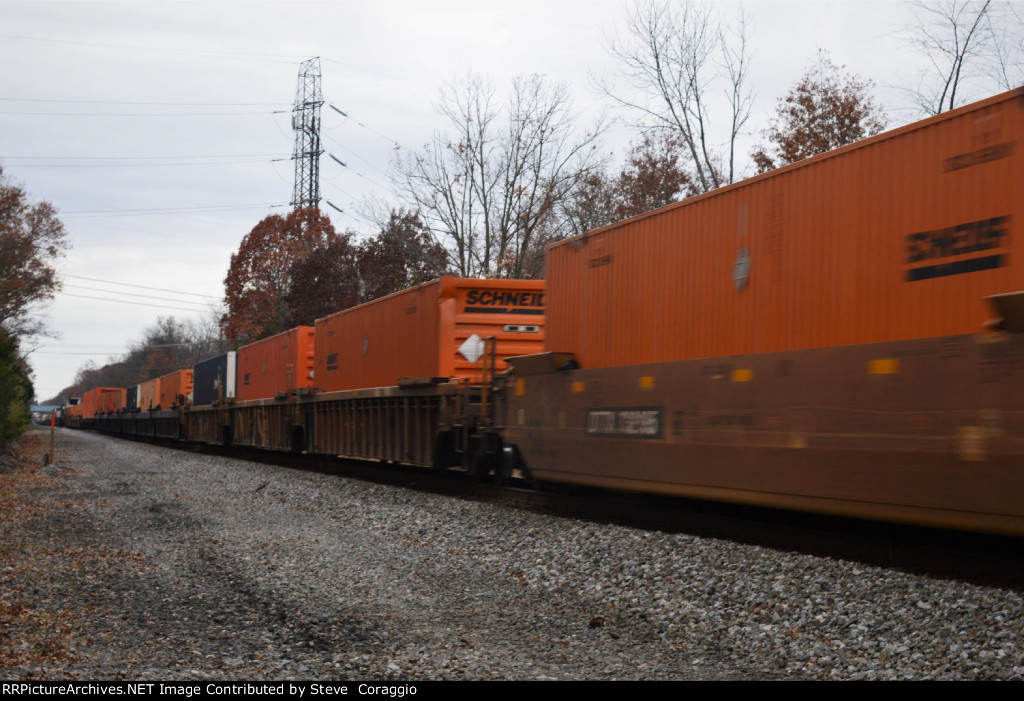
[(401, 378)]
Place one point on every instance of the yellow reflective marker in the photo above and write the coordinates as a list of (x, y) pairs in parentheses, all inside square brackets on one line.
[(742, 375), (884, 366)]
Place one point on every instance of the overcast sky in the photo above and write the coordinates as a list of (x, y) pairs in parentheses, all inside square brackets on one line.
[(161, 130)]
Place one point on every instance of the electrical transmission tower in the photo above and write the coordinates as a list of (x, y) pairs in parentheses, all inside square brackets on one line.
[(306, 125)]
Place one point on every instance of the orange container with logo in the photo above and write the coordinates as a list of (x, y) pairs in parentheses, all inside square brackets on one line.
[(428, 331), (174, 387), (276, 365), (899, 236)]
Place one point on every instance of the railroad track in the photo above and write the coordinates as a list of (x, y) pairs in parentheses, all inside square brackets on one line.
[(970, 557)]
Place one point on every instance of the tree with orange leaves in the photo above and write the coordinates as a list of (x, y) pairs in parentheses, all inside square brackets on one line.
[(259, 280), (826, 109)]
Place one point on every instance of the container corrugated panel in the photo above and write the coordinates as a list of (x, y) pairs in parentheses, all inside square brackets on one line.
[(277, 364), (174, 387), (111, 401), (149, 394), (92, 401), (897, 237), (418, 332), (214, 379), (87, 406)]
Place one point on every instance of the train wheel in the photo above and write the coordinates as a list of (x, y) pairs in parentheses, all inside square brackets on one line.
[(506, 465), (485, 458)]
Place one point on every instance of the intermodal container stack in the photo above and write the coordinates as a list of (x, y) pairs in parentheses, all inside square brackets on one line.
[(149, 394), (276, 365), (214, 380), (422, 332), (92, 401), (899, 236), (111, 402), (175, 389)]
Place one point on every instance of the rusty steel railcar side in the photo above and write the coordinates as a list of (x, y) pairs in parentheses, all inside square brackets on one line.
[(263, 423), (928, 431), (209, 424), (428, 425)]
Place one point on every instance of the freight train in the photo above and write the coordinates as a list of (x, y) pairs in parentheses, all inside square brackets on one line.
[(841, 335)]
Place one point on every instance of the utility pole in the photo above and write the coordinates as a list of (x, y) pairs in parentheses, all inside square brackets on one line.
[(306, 125)]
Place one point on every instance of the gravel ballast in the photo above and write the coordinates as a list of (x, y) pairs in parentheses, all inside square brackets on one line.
[(147, 563)]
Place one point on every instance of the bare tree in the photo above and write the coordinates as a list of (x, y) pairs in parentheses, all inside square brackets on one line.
[(1005, 25), (675, 55), (489, 184), (974, 48)]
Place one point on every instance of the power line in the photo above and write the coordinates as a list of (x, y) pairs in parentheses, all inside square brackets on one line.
[(138, 304), (370, 129), (136, 294), (76, 353), (395, 78), (273, 58), (131, 165), (367, 162), (169, 210), (143, 158), (150, 104), (117, 349), (135, 114), (367, 70), (364, 177), (141, 287)]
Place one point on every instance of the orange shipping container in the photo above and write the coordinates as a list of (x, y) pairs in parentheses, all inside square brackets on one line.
[(149, 394), (418, 332), (899, 236), (177, 384), (91, 400), (111, 401), (277, 364)]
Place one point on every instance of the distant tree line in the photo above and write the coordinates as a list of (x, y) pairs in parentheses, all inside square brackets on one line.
[(167, 346)]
